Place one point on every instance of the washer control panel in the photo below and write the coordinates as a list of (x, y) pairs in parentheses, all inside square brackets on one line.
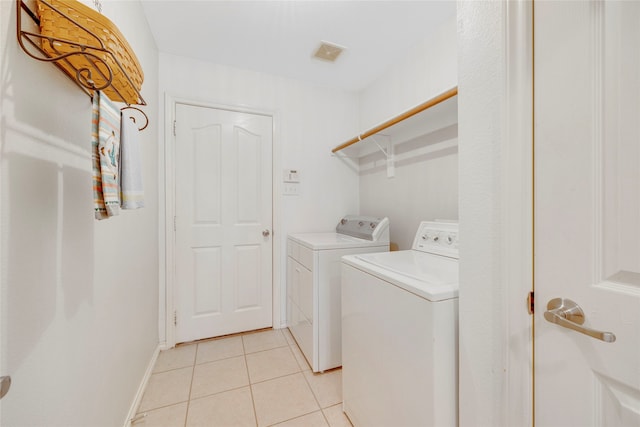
[(440, 238)]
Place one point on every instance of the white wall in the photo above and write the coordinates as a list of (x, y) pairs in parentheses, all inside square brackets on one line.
[(79, 297), (309, 121), (481, 369), (429, 69), (496, 208), (425, 186)]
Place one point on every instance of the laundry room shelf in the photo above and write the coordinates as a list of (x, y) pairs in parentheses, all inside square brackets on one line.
[(411, 121), (85, 45)]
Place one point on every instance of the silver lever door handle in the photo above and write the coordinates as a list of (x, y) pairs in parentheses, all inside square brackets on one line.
[(566, 313)]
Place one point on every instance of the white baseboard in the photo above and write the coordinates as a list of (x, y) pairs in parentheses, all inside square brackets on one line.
[(143, 386)]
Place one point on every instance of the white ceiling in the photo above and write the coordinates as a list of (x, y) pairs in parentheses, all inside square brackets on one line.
[(280, 37)]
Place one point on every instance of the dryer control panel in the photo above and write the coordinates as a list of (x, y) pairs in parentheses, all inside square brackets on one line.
[(364, 227), (440, 238)]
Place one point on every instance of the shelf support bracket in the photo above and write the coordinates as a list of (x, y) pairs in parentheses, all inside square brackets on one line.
[(388, 153)]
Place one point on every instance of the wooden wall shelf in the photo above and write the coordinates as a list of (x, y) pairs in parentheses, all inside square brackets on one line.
[(85, 45)]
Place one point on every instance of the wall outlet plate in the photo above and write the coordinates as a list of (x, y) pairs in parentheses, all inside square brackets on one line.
[(291, 189)]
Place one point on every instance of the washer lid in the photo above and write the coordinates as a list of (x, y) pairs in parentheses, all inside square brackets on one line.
[(430, 276)]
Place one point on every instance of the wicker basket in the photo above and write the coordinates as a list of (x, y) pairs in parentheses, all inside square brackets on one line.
[(83, 26)]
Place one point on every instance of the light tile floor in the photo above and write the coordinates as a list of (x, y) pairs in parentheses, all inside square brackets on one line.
[(251, 379)]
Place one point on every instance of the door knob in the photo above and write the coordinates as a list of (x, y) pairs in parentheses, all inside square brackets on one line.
[(5, 384), (266, 233), (568, 314)]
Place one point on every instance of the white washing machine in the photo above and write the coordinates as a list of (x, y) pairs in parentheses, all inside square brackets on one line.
[(313, 284), (400, 333)]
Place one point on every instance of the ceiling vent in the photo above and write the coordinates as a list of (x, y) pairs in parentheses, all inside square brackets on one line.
[(328, 51)]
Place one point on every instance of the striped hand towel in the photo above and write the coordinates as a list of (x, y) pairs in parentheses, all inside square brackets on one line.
[(131, 190), (98, 200), (106, 152)]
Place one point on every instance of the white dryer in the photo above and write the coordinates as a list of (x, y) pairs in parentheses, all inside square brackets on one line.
[(400, 333), (313, 284)]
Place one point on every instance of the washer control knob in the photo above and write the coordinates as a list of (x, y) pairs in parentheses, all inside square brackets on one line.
[(436, 238), (360, 223), (449, 240), (343, 221), (424, 237), (372, 225)]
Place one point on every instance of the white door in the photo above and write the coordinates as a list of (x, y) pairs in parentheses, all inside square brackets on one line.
[(223, 206), (587, 211)]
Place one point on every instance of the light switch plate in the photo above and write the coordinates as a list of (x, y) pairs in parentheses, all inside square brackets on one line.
[(290, 175)]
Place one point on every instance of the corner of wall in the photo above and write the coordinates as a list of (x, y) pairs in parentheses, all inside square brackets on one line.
[(135, 404)]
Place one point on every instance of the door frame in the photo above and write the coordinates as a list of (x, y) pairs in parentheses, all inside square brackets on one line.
[(518, 210), (166, 297)]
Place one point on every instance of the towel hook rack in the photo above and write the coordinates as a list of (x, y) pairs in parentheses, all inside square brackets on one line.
[(99, 63), (146, 118)]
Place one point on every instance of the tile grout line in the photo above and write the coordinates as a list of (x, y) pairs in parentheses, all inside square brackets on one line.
[(164, 406), (295, 418), (204, 396), (301, 415), (268, 349), (244, 355), (291, 344), (155, 373), (246, 365), (316, 397), (193, 372), (300, 371)]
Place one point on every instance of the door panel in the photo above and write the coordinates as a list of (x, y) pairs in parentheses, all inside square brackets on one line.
[(248, 291), (223, 205), (587, 210), (248, 176), (207, 156), (208, 280)]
